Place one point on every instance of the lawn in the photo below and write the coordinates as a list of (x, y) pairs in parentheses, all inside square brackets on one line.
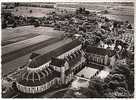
[(10, 33), (19, 38)]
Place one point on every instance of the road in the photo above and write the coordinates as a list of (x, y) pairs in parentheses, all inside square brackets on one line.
[(14, 64), (50, 95)]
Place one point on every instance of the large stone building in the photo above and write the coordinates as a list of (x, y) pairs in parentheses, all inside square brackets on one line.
[(101, 56), (36, 79)]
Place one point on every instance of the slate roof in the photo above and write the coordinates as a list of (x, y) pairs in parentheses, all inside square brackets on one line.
[(74, 58), (57, 62), (99, 51), (40, 60), (37, 78), (33, 55)]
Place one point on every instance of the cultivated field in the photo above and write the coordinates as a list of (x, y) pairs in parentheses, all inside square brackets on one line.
[(16, 63), (10, 33), (23, 44), (117, 11), (36, 11)]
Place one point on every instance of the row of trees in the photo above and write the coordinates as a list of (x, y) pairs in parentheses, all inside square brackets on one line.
[(9, 20), (118, 84)]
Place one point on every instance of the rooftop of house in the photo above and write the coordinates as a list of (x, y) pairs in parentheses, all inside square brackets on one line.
[(99, 51)]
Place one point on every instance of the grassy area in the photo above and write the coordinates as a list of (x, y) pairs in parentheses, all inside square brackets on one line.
[(20, 61), (117, 8), (117, 11), (36, 11), (10, 33), (18, 53), (18, 38)]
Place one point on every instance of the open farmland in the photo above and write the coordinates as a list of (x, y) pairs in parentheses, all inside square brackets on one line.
[(16, 63), (114, 8), (17, 39), (10, 33), (46, 36), (80, 50), (26, 48), (117, 11), (22, 44), (36, 11)]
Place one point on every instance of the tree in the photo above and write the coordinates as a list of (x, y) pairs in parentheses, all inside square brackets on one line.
[(124, 54), (121, 92), (130, 82), (109, 95), (121, 72), (69, 94), (89, 93), (16, 4), (30, 11), (14, 25), (4, 25), (36, 23), (116, 80), (113, 84), (118, 77), (129, 26), (80, 95), (97, 84), (124, 69), (121, 68), (108, 42), (14, 86)]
